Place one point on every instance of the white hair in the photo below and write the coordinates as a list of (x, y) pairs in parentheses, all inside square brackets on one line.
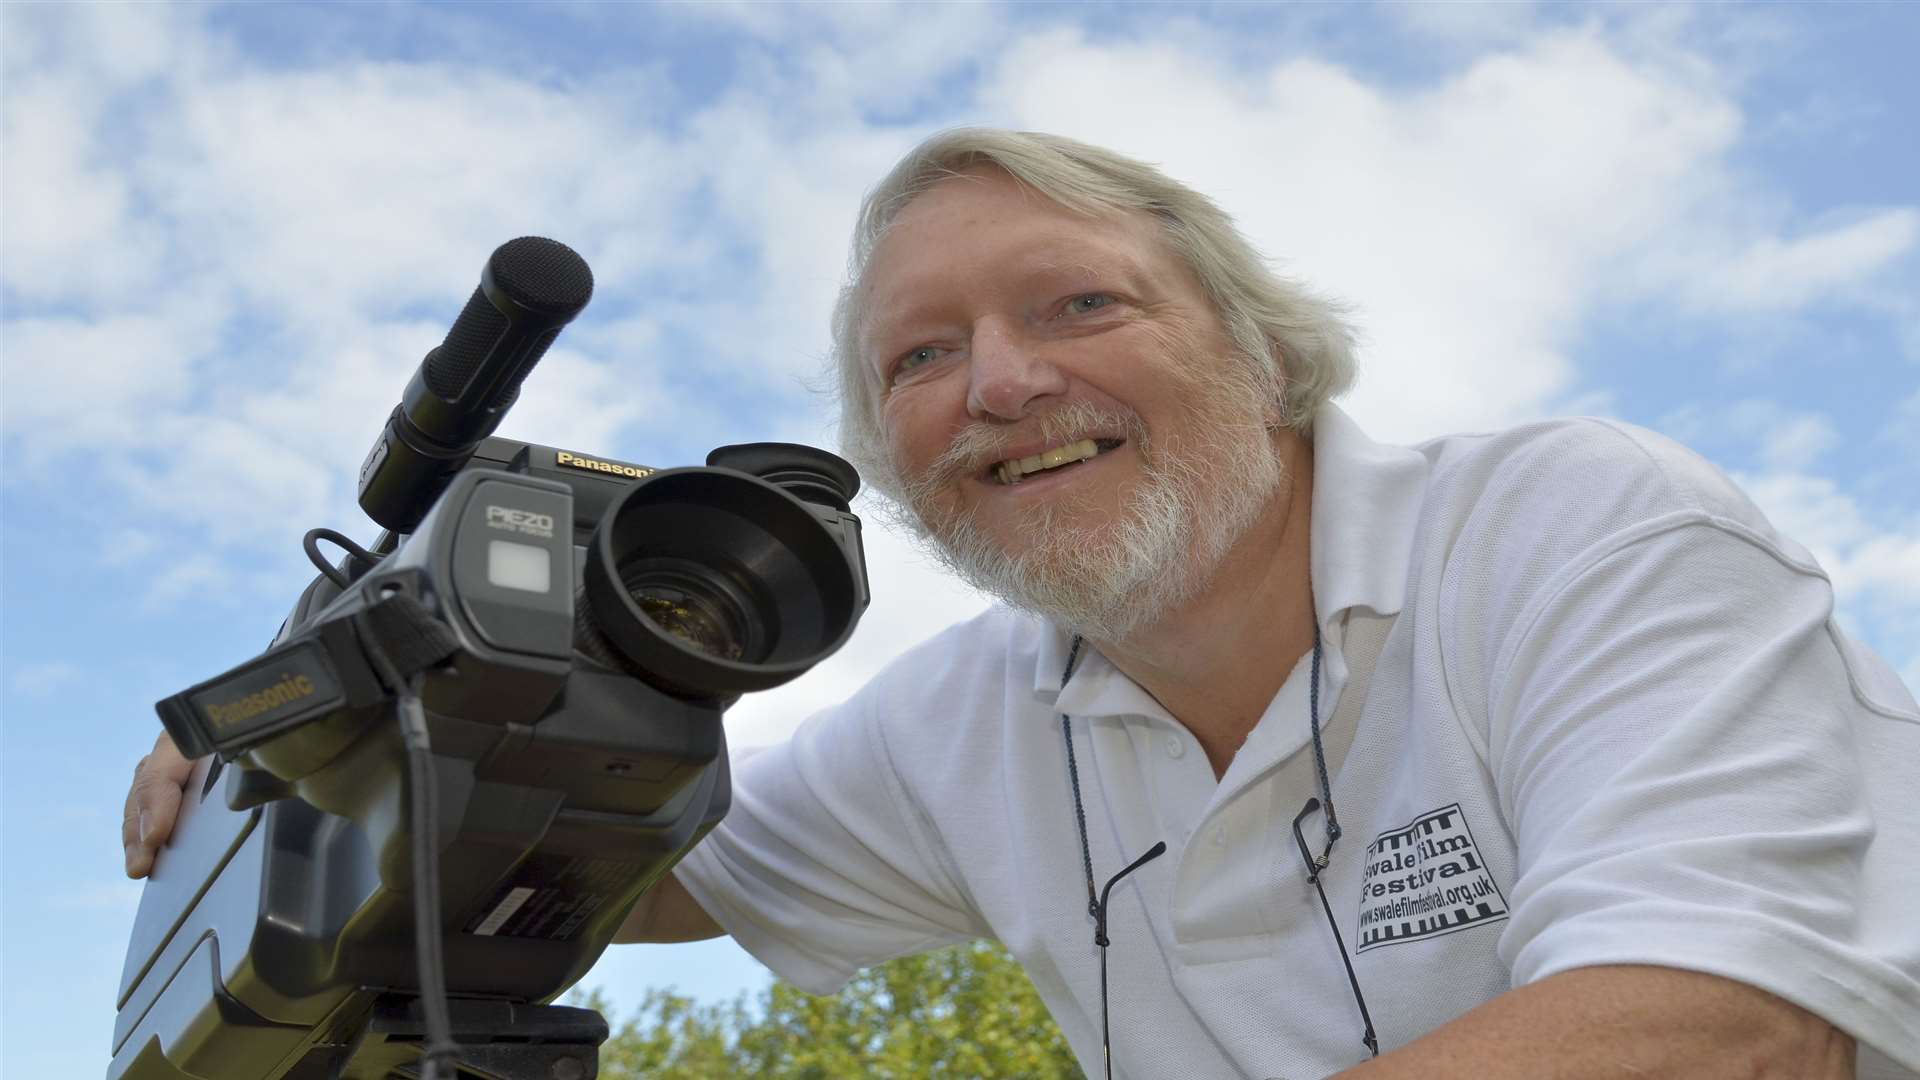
[(1299, 345)]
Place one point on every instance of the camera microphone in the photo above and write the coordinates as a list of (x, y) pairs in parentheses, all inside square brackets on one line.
[(530, 289)]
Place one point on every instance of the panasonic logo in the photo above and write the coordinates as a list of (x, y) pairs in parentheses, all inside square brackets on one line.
[(611, 468), (290, 689)]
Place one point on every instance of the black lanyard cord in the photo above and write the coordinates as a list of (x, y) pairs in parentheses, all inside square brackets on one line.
[(1097, 905), (1073, 770), (1073, 765)]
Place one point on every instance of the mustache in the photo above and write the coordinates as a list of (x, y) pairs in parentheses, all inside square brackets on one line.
[(977, 446)]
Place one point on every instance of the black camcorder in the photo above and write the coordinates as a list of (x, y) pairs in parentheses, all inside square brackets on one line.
[(423, 812)]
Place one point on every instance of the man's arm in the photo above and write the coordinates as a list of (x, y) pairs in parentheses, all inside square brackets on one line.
[(1649, 1023), (667, 913), (1696, 772)]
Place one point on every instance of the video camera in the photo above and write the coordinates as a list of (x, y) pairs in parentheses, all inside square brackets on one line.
[(471, 749)]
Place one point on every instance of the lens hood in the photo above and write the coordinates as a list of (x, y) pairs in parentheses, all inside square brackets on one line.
[(730, 559)]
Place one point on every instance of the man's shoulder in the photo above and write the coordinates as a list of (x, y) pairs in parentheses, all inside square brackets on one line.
[(1589, 475), (975, 659), (1511, 517), (946, 706)]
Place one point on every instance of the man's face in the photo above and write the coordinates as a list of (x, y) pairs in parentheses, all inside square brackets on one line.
[(1062, 402)]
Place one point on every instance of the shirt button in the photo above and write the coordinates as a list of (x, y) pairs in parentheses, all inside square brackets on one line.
[(1175, 747)]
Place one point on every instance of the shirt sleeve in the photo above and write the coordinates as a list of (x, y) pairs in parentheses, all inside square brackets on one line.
[(1697, 775), (824, 864)]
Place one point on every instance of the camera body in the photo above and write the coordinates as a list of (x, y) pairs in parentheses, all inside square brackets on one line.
[(574, 628)]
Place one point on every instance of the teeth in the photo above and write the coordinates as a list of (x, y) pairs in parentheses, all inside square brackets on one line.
[(1010, 472)]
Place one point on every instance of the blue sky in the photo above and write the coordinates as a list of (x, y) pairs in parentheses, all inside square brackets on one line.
[(229, 233)]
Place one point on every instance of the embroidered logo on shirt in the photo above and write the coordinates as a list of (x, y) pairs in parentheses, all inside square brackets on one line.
[(1425, 880)]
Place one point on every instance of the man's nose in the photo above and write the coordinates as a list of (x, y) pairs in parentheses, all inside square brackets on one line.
[(1007, 375)]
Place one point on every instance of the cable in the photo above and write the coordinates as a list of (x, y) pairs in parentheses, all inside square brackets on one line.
[(440, 1050), (310, 543)]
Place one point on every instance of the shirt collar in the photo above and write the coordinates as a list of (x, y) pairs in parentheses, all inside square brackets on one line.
[(1366, 509)]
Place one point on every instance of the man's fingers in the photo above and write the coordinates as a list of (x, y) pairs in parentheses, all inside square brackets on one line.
[(157, 784), (153, 803), (159, 806), (139, 860)]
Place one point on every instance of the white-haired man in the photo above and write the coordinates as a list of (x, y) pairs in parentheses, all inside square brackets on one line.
[(1525, 754)]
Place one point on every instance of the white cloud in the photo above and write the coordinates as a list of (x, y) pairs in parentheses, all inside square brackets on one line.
[(1786, 441), (42, 679), (584, 403), (1774, 274), (71, 381), (795, 195), (1800, 440), (73, 220), (61, 207), (1888, 562), (329, 194)]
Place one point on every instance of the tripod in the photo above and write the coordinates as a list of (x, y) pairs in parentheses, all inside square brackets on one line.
[(499, 1040)]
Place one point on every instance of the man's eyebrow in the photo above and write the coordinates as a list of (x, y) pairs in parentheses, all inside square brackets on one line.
[(889, 317), (1082, 270), (1100, 270)]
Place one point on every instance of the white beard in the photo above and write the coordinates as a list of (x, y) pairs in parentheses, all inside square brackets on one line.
[(1161, 549)]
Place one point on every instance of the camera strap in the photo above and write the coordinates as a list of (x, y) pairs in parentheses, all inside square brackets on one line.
[(401, 638)]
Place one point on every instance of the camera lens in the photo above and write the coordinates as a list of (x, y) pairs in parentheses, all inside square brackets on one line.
[(713, 583), (691, 603)]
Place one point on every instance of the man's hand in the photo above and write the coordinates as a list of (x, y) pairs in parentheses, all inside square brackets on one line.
[(1650, 1022), (153, 804)]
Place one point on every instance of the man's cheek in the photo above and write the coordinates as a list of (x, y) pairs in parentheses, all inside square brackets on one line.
[(897, 459), (904, 468)]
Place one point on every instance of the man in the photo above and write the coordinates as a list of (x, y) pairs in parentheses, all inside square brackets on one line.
[(1592, 784)]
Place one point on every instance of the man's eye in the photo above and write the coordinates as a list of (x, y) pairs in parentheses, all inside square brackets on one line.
[(1089, 302), (923, 355)]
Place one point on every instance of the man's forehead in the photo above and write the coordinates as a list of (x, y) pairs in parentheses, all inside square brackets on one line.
[(1005, 250), (989, 224)]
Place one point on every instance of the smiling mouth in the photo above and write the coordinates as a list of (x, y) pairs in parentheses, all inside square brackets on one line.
[(1013, 470)]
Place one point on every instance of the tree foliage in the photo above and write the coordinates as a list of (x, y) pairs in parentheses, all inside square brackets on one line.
[(967, 1011)]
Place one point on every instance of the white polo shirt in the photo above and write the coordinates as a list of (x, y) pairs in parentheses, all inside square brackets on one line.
[(1613, 722)]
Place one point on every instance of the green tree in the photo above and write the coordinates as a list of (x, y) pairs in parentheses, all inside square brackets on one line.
[(962, 1012)]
